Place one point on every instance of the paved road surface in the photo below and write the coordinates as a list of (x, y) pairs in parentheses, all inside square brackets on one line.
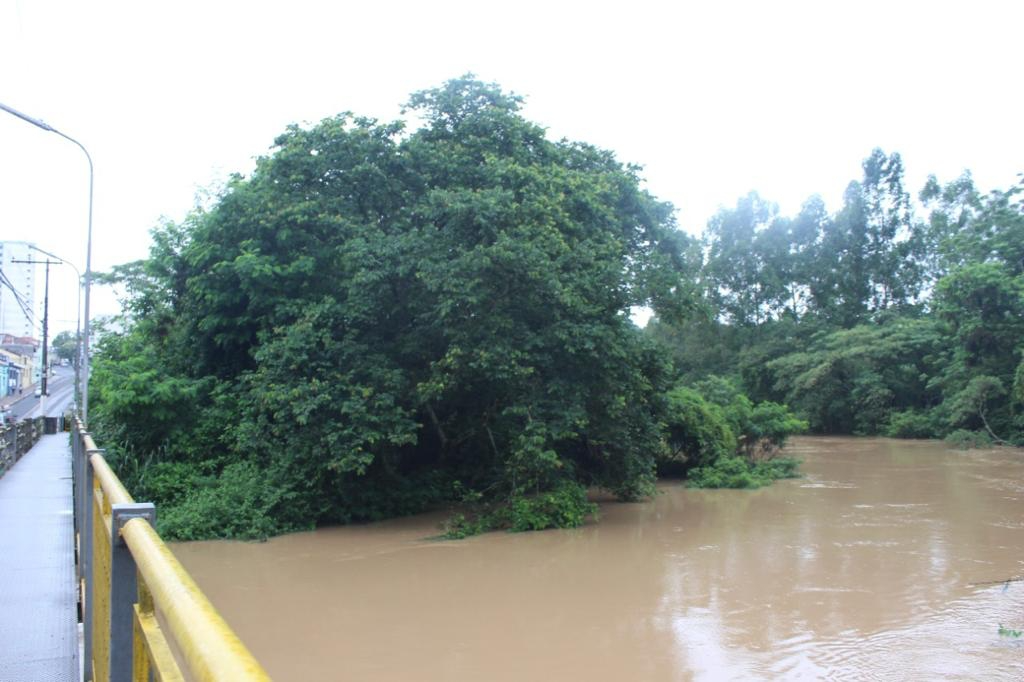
[(62, 394)]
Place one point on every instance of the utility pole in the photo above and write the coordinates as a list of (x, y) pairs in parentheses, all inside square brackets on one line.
[(88, 248), (78, 325), (44, 373)]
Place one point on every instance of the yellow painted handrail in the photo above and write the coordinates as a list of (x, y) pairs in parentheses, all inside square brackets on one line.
[(112, 487), (208, 649), (209, 646)]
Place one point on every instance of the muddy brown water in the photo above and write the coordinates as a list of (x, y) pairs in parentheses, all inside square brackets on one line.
[(861, 570)]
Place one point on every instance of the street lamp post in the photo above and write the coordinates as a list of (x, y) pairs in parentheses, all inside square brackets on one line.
[(88, 250), (78, 322)]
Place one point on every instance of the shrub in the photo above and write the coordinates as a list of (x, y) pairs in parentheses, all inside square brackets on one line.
[(740, 472), (565, 506), (769, 427), (913, 424), (727, 472), (760, 429), (239, 503), (962, 439), (778, 468), (697, 431), (457, 526)]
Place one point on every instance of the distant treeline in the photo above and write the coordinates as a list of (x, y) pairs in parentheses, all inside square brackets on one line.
[(873, 320), (378, 320)]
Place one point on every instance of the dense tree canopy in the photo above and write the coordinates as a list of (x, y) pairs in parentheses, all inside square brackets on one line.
[(869, 321), (376, 317), (379, 319)]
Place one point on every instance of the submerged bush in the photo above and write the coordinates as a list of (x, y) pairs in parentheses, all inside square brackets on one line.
[(566, 506), (962, 439), (740, 472), (769, 427)]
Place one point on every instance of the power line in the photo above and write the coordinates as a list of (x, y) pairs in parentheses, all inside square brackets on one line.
[(18, 296), (17, 293)]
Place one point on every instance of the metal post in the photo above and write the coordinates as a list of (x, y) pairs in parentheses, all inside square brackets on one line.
[(78, 323), (86, 558), (76, 490), (78, 486), (88, 247), (88, 285), (124, 590), (45, 378)]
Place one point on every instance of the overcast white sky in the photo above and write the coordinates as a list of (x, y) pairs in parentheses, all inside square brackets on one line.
[(713, 99)]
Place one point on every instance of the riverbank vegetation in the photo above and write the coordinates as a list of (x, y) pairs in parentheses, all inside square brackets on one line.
[(871, 320), (380, 320)]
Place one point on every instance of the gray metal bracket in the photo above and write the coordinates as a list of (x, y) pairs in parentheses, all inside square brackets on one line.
[(123, 513)]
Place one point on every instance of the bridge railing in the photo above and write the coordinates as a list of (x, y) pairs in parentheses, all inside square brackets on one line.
[(16, 439), (144, 617)]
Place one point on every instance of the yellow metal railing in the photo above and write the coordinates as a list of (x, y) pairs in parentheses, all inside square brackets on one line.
[(129, 576)]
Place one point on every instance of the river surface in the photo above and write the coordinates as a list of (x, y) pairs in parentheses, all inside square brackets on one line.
[(866, 568)]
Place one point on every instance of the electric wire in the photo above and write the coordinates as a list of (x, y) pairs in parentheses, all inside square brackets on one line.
[(20, 300), (18, 296)]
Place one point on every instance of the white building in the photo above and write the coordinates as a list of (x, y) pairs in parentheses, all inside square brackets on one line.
[(22, 277)]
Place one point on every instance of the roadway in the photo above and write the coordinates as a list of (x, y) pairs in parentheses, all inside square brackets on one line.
[(62, 394)]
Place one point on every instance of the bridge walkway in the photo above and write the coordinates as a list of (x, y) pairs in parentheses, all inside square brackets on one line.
[(38, 602)]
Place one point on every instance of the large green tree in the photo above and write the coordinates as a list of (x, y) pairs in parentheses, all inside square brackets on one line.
[(379, 316), (64, 345)]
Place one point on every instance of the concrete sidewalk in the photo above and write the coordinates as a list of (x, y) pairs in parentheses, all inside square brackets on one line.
[(38, 602), (26, 394)]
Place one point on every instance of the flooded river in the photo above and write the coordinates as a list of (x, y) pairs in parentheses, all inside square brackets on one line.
[(864, 569)]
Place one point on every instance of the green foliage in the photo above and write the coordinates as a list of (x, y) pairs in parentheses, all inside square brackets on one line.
[(742, 472), (564, 506), (740, 261), (962, 439), (458, 526), (377, 318), (239, 503), (982, 306), (1018, 382), (701, 428), (697, 432), (762, 267), (1010, 632), (170, 482), (760, 429), (697, 346), (769, 427), (65, 346), (867, 321), (851, 381), (375, 314), (140, 401), (914, 424)]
